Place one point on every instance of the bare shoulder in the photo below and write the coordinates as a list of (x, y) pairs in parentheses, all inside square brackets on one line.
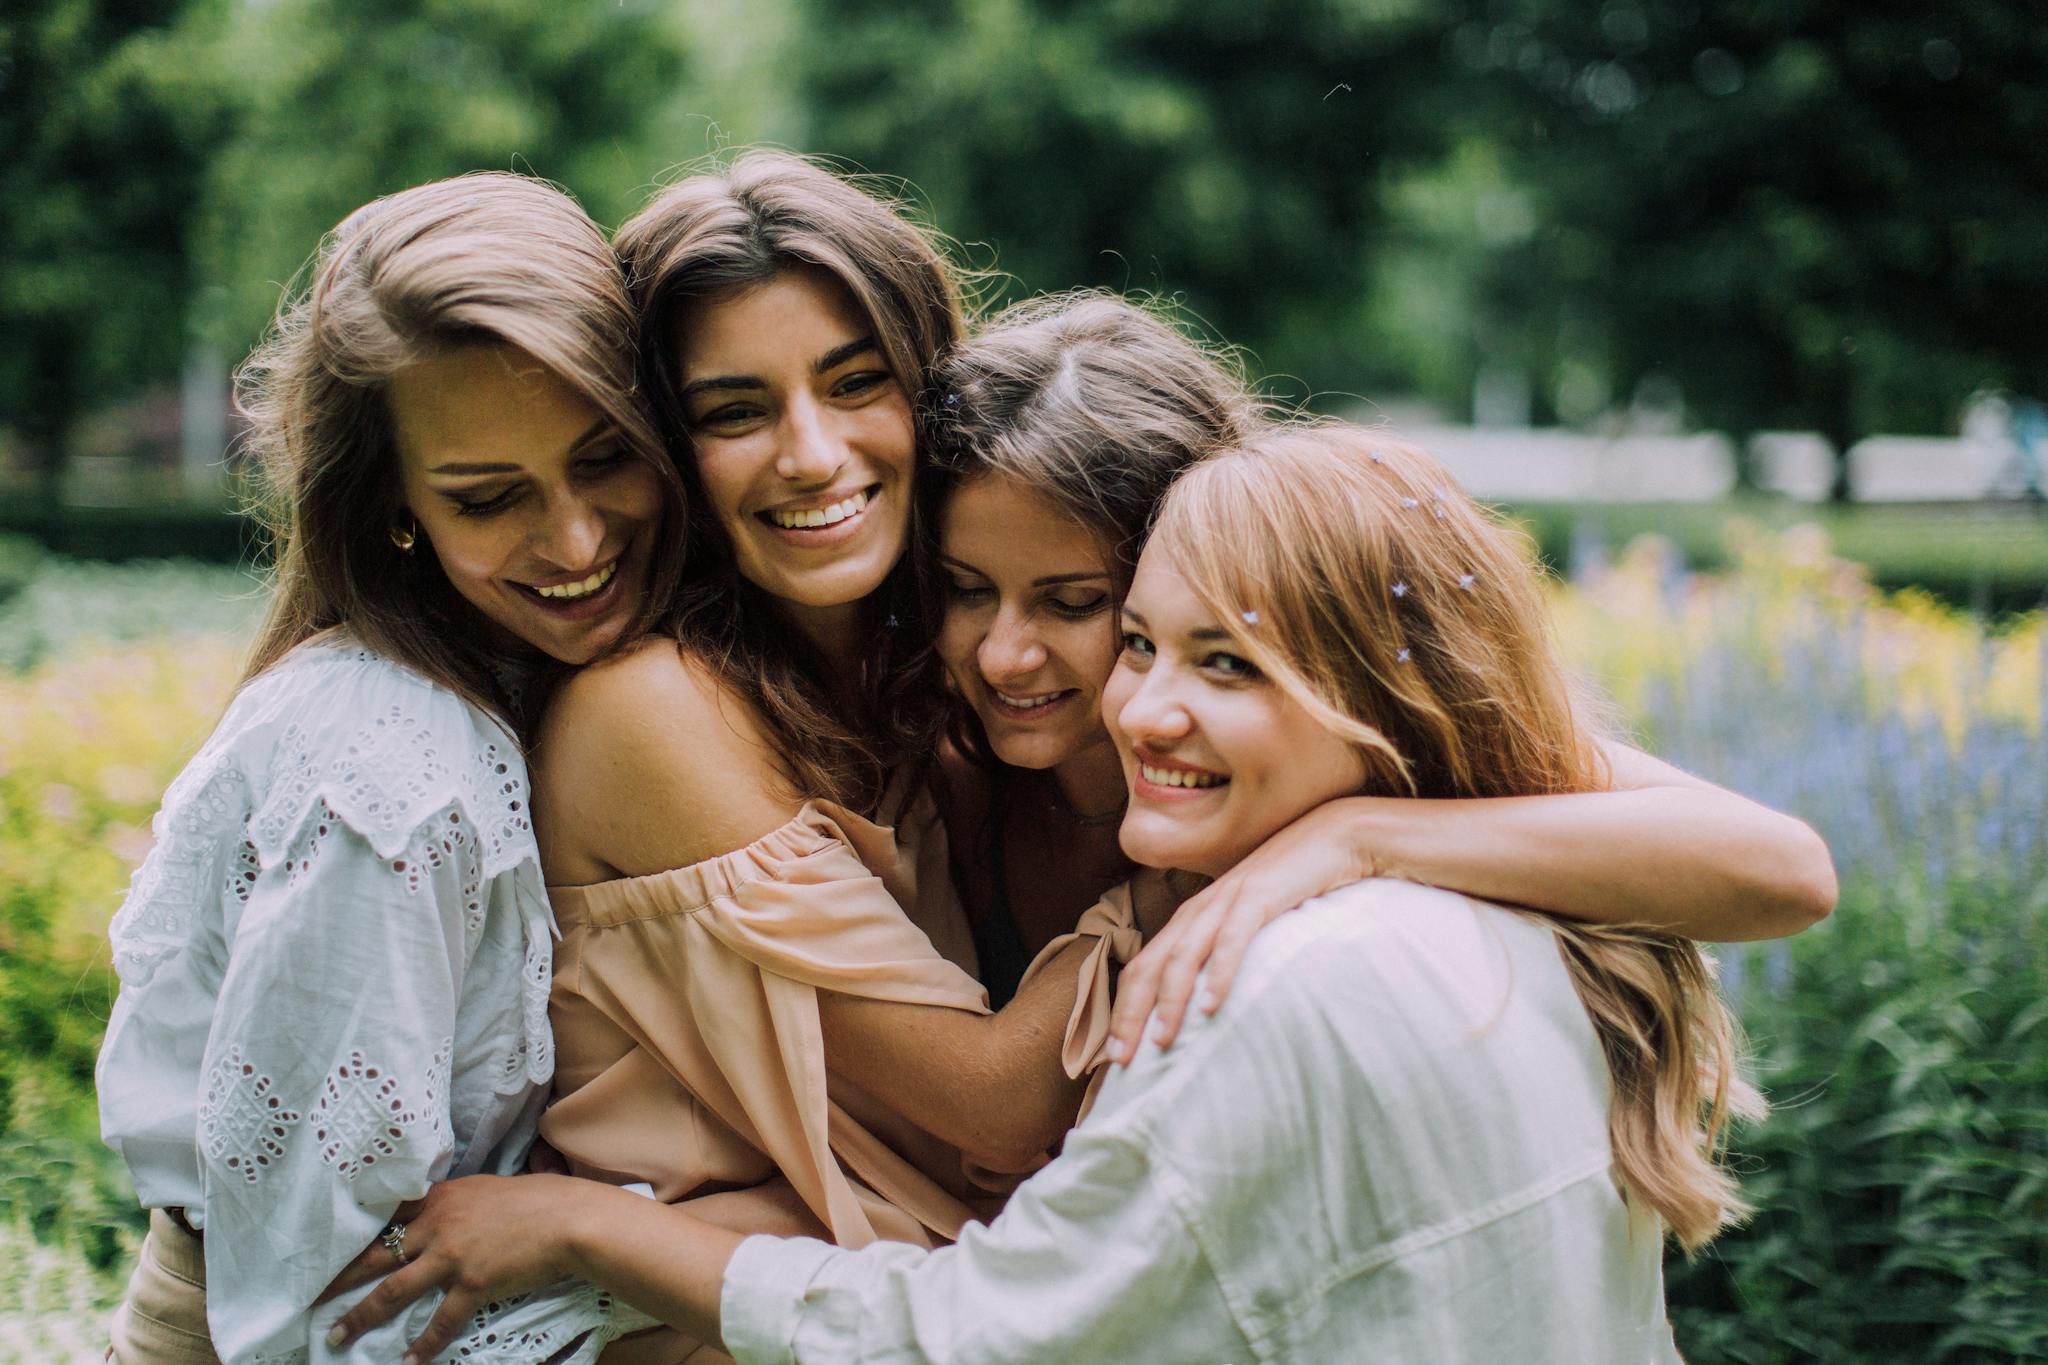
[(649, 761)]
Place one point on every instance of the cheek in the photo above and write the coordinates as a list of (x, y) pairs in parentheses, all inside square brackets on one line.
[(470, 555), (1087, 652), (1121, 687), (890, 435), (638, 493), (960, 636), (724, 470)]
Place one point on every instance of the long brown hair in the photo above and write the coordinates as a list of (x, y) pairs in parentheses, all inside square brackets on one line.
[(1092, 401), (1350, 569), (483, 258), (728, 228)]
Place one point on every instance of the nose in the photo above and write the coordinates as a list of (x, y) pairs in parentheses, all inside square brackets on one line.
[(573, 533), (1153, 715), (1010, 650), (812, 452)]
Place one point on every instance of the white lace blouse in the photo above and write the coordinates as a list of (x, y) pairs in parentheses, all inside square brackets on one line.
[(334, 973)]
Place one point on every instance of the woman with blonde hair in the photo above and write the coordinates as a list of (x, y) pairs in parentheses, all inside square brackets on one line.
[(334, 960)]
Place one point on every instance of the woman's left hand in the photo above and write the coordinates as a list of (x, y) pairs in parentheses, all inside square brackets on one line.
[(478, 1238), (1319, 852)]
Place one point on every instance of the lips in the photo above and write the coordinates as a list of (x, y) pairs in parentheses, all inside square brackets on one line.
[(1161, 778), (820, 517), (579, 599), (1027, 707), (584, 587)]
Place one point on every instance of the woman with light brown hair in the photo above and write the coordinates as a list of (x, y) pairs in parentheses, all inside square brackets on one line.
[(334, 960)]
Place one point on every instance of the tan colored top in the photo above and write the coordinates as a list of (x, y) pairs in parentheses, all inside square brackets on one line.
[(685, 1011), (1113, 923)]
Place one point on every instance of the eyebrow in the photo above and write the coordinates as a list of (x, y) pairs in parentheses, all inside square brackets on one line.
[(1203, 633), (1048, 581), (598, 429), (735, 383)]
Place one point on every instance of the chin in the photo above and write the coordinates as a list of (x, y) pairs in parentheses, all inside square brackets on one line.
[(1031, 752)]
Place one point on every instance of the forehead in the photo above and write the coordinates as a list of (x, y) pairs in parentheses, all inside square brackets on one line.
[(484, 404), (786, 321), (1001, 525), (1161, 594)]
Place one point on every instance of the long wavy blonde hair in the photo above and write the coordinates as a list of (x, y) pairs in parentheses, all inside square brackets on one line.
[(1350, 569)]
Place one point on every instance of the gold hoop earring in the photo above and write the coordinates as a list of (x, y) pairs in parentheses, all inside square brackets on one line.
[(405, 537)]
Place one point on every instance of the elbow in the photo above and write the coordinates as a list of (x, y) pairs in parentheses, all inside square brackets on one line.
[(1004, 1157), (1810, 887), (1018, 1151)]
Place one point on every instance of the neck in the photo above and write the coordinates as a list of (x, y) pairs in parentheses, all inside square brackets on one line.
[(1092, 780)]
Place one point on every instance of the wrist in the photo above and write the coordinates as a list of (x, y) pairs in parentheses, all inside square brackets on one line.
[(1373, 832), (580, 1216)]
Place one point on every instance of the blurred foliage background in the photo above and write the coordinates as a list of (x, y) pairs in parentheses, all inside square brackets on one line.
[(1770, 214), (1579, 237)]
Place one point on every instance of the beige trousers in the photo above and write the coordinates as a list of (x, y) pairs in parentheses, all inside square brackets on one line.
[(162, 1321)]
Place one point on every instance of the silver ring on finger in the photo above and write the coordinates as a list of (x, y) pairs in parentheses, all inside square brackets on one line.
[(393, 1238)]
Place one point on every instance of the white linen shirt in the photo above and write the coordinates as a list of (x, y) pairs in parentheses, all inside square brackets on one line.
[(334, 972), (1390, 1144)]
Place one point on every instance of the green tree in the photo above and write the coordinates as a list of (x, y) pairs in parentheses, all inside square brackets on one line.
[(1814, 214), (345, 100), (172, 163), (106, 112), (1231, 153)]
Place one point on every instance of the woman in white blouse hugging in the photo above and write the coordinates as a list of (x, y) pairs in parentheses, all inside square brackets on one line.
[(335, 960), (1422, 1127)]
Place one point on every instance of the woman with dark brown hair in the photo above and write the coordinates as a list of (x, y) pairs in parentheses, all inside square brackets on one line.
[(763, 976), (334, 961)]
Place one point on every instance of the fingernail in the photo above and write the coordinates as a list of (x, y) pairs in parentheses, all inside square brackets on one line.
[(410, 1358), (1115, 1049), (1210, 1002), (337, 1334), (1161, 1034)]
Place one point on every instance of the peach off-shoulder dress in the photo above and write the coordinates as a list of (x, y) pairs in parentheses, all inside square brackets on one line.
[(687, 1040)]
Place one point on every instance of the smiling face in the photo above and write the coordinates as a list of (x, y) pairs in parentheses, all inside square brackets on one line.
[(1028, 636), (803, 437), (538, 514), (1217, 756)]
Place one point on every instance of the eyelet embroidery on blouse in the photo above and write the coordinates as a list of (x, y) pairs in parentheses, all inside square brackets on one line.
[(242, 1125), (306, 844), (436, 1101), (243, 871), (362, 1116), (386, 778), (206, 802), (488, 1344), (537, 974), (445, 838)]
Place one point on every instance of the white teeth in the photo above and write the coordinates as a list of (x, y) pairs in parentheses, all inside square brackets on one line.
[(820, 516), (586, 587), (1027, 703), (1175, 777)]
